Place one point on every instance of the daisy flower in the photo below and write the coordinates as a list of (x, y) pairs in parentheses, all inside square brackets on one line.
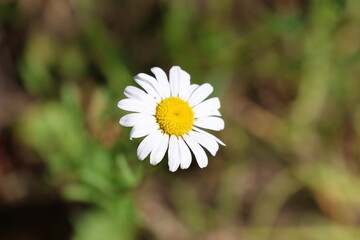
[(171, 114)]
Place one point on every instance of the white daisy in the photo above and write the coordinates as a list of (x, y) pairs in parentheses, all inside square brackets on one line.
[(170, 115)]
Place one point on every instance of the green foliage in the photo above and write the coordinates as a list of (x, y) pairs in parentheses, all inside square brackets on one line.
[(87, 171), (35, 68)]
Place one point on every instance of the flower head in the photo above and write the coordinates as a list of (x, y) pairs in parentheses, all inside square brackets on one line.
[(171, 114)]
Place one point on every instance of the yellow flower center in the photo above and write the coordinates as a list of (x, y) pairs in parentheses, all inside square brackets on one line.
[(174, 116)]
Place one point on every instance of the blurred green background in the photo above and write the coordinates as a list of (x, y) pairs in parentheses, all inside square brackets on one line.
[(288, 76)]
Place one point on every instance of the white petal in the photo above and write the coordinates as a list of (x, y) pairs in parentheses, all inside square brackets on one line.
[(209, 135), (190, 91), (155, 84), (132, 119), (207, 108), (184, 83), (150, 85), (147, 145), (206, 113), (200, 94), (212, 123), (159, 151), (134, 105), (185, 154), (136, 93), (199, 153), (143, 130), (173, 154), (174, 79), (162, 79), (209, 143), (211, 103)]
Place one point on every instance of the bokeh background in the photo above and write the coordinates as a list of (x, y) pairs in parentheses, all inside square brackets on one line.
[(288, 76)]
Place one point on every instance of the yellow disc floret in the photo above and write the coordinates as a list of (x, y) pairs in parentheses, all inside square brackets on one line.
[(174, 116)]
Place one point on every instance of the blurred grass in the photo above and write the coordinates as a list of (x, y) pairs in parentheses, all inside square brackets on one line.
[(286, 71)]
